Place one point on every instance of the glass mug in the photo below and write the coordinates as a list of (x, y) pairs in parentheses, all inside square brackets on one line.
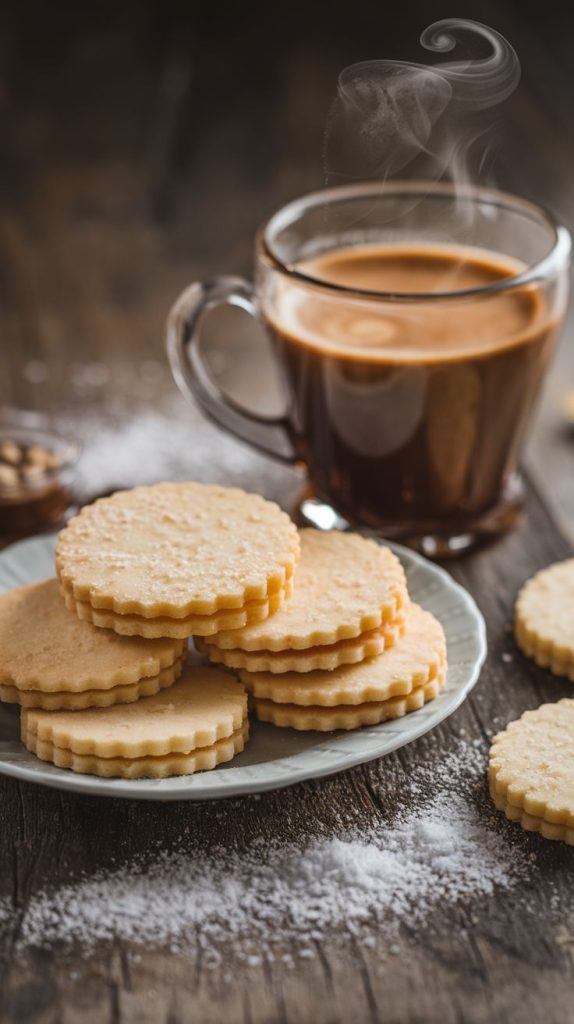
[(408, 408)]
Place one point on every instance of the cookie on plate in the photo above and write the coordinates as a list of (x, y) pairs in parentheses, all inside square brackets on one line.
[(325, 656), (201, 721), (413, 661), (346, 716), (183, 558), (164, 626), (347, 589), (50, 658), (399, 680), (58, 700)]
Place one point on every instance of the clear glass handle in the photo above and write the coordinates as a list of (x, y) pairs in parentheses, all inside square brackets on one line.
[(193, 376)]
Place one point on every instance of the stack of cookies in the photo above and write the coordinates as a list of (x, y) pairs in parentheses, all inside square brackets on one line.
[(52, 660), (531, 771), (318, 627), (200, 723), (349, 649), (90, 656), (177, 560)]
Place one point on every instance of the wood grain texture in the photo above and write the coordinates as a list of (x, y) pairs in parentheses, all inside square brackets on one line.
[(141, 148)]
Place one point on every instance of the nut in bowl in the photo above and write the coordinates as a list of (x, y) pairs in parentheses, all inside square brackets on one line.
[(36, 480)]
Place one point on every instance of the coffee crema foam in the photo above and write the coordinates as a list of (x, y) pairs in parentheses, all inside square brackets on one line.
[(408, 328)]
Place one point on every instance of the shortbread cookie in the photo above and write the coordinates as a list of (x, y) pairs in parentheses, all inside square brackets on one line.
[(147, 767), (58, 701), (346, 585), (45, 648), (531, 823), (327, 657), (204, 706), (531, 767), (418, 657), (345, 716), (544, 620), (193, 625), (177, 550)]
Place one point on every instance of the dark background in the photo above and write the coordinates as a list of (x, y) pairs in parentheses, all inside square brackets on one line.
[(142, 143)]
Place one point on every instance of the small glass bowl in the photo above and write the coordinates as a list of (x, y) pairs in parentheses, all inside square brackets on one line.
[(36, 480)]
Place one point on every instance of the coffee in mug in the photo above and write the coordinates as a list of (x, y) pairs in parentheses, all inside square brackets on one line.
[(412, 325)]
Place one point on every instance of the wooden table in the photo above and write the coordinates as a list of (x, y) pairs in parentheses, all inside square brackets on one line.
[(140, 149)]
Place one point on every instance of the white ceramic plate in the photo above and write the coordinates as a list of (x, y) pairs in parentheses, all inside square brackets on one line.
[(273, 757)]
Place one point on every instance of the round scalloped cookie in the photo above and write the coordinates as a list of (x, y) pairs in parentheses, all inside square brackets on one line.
[(162, 767), (544, 618), (163, 626), (530, 822), (531, 766), (345, 586), (328, 656), (345, 716), (417, 658), (59, 701), (46, 648), (177, 550), (205, 705)]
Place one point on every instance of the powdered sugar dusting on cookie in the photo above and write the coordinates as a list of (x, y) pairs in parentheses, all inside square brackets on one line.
[(361, 882)]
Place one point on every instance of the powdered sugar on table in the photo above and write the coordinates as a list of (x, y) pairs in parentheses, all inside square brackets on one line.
[(359, 881)]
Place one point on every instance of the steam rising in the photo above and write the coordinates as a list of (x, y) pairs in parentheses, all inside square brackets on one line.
[(480, 83), (389, 115)]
